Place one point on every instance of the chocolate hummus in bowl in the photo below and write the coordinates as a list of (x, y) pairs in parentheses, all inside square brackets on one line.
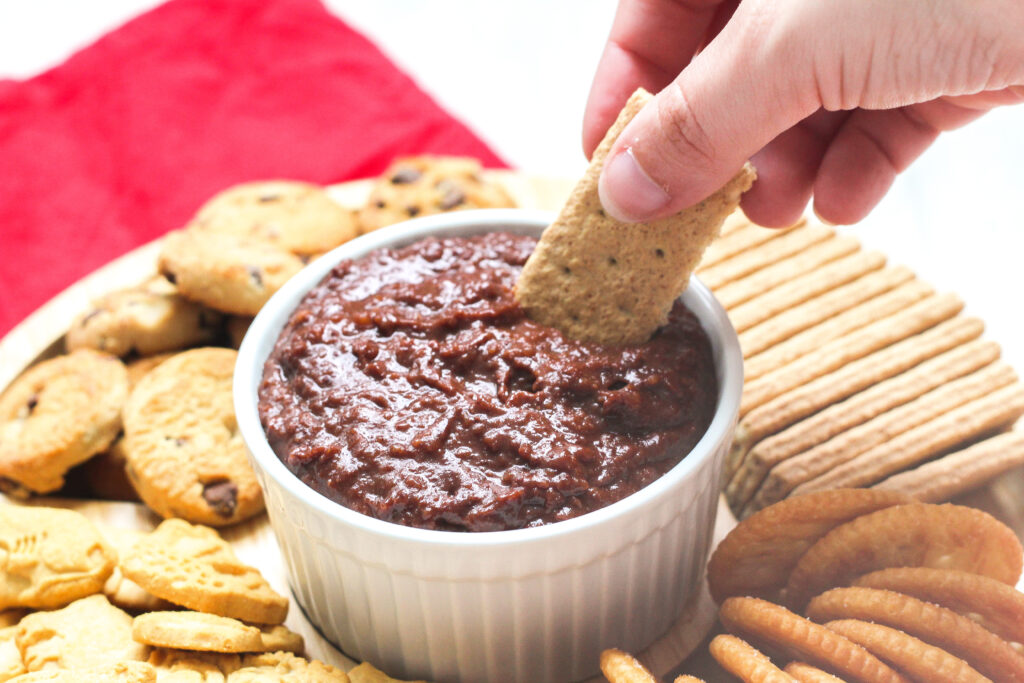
[(462, 493)]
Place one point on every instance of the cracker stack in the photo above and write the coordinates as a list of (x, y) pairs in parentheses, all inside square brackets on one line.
[(857, 373)]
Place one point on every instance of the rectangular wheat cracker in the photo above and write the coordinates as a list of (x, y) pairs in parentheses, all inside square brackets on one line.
[(783, 326), (817, 461), (818, 394), (733, 222), (600, 280), (737, 237), (835, 327), (959, 472), (958, 426), (772, 251), (815, 256), (858, 344), (804, 434), (803, 288)]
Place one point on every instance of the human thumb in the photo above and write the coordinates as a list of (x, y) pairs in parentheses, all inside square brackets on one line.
[(730, 101)]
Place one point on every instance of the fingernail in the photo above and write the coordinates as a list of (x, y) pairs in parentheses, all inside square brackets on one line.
[(627, 192)]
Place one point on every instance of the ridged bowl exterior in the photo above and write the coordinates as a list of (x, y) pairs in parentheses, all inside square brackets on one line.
[(530, 605)]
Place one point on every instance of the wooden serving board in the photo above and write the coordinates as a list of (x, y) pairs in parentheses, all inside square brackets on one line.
[(41, 336)]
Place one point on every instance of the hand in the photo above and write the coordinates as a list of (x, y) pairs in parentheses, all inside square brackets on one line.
[(830, 98)]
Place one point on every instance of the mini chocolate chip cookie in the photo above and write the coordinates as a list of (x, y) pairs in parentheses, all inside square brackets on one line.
[(230, 273), (58, 414), (295, 216), (424, 185), (185, 456), (148, 319)]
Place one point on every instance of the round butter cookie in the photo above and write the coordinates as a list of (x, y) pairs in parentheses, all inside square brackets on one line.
[(185, 456)]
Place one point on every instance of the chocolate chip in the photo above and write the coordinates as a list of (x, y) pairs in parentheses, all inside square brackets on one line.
[(171, 277), (452, 198), (222, 497), (412, 210), (612, 261), (405, 175), (381, 203), (33, 401), (660, 253), (255, 275), (92, 314)]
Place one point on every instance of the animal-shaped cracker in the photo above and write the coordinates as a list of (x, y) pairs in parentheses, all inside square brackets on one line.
[(49, 557), (194, 567), (87, 633)]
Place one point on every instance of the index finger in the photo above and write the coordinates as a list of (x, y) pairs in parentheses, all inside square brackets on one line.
[(649, 44)]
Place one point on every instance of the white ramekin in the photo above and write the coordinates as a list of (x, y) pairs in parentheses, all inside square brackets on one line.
[(525, 605)]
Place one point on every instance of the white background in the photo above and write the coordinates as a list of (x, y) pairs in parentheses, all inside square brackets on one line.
[(518, 74)]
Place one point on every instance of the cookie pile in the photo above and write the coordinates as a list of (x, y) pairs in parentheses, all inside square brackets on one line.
[(857, 374), (199, 609), (866, 585), (140, 407)]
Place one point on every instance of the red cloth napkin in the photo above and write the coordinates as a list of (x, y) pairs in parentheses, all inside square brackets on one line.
[(127, 138)]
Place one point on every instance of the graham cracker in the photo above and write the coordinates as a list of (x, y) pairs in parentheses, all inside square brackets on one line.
[(804, 288), (836, 418), (600, 280), (959, 472), (858, 344), (815, 256), (817, 461), (737, 236), (808, 314), (787, 409), (785, 245), (963, 424), (836, 327)]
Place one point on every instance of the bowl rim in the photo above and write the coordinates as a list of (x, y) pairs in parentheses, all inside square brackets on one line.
[(266, 326)]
